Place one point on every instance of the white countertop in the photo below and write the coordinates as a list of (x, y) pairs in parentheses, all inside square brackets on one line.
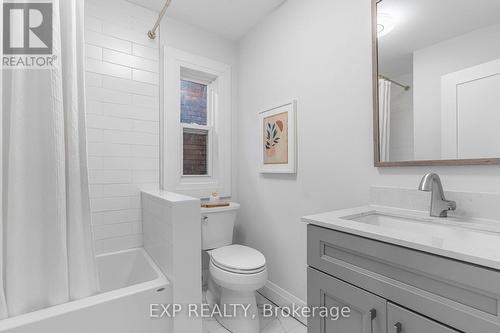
[(441, 236)]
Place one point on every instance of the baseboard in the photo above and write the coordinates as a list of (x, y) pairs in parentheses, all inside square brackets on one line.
[(282, 298)]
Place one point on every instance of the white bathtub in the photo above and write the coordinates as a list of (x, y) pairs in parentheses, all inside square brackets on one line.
[(130, 282)]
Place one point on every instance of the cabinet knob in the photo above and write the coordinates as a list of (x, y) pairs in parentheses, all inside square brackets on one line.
[(373, 315), (398, 328)]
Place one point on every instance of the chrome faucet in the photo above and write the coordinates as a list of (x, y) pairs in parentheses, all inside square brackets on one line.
[(439, 205)]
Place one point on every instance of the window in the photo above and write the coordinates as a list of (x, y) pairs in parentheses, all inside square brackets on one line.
[(196, 125), (195, 114), (194, 102)]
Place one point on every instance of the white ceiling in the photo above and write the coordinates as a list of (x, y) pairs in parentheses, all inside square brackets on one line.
[(231, 19), (423, 23)]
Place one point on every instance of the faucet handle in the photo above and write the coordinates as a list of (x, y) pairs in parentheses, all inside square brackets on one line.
[(452, 205)]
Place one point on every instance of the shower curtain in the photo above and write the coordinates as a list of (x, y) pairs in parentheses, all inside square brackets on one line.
[(47, 253), (384, 119)]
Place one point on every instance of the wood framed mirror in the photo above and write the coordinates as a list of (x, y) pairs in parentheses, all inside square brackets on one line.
[(436, 79)]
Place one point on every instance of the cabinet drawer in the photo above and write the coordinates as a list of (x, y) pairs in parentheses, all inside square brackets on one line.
[(458, 294), (400, 320), (367, 311)]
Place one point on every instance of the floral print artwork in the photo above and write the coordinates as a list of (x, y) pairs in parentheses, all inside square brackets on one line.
[(276, 139)]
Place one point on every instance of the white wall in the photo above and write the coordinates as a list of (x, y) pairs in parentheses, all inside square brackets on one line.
[(430, 64), (318, 52), (196, 41), (122, 118)]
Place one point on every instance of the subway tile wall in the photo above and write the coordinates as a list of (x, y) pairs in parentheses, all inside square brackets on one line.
[(122, 83)]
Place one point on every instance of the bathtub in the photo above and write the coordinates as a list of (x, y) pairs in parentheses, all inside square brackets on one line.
[(130, 281)]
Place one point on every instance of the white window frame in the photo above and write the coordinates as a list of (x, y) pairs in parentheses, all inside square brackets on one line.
[(179, 65)]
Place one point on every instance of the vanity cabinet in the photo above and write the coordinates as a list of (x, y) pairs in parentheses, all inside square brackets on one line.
[(411, 291)]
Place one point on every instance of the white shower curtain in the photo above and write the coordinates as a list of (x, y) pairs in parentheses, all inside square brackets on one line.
[(47, 248), (384, 119)]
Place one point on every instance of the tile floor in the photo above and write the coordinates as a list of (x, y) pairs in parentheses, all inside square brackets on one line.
[(279, 324)]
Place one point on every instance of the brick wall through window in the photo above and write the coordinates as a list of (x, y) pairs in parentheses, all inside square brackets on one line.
[(195, 153)]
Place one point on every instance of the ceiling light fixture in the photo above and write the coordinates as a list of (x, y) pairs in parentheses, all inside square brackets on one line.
[(385, 24)]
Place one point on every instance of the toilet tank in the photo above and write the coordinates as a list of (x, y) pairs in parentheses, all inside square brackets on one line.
[(217, 226)]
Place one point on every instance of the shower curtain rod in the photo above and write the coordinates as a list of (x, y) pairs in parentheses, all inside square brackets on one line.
[(152, 32), (395, 82)]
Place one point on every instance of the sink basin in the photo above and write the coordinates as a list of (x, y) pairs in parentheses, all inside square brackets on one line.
[(416, 223), (381, 219)]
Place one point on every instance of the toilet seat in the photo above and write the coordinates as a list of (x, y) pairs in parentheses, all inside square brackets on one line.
[(238, 259)]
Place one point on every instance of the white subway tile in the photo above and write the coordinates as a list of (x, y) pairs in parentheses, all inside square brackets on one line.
[(108, 96), (94, 52), (94, 135), (110, 177), (106, 122), (146, 77), (140, 177), (96, 191), (113, 203), (145, 52), (106, 68), (131, 111), (145, 151), (93, 107), (127, 163), (118, 243), (117, 216), (146, 126), (129, 60), (135, 202), (145, 101), (116, 230), (95, 163), (93, 80), (130, 86), (145, 164), (110, 149), (120, 190), (111, 136), (117, 163), (108, 42)]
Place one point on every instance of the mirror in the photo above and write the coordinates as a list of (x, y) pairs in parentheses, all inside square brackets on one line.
[(437, 69)]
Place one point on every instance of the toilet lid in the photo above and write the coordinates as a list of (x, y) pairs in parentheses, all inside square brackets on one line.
[(238, 258)]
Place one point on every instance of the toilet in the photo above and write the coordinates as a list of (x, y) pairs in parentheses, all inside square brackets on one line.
[(235, 271)]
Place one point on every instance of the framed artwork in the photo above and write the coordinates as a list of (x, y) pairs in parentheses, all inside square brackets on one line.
[(278, 139)]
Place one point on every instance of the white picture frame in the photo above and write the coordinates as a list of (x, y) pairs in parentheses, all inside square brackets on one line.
[(276, 155)]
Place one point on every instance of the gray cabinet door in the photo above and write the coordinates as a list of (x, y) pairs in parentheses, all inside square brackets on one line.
[(367, 311), (400, 320)]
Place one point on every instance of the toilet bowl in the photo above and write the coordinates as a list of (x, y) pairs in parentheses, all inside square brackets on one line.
[(238, 271), (235, 272)]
